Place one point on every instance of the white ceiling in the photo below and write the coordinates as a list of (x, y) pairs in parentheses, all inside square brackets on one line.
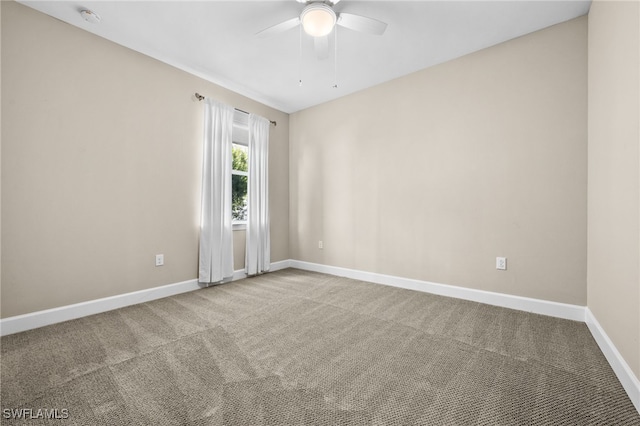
[(216, 39)]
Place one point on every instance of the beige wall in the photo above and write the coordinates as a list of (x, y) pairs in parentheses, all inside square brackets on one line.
[(101, 161), (614, 174), (433, 175)]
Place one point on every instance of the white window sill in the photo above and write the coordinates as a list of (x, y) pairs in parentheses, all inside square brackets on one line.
[(239, 226)]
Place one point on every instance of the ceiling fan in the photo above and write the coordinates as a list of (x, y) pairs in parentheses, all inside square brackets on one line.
[(318, 20)]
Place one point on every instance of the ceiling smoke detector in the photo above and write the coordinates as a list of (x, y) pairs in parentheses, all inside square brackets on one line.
[(90, 16)]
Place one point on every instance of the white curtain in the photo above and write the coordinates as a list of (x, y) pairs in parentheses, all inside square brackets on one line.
[(216, 234), (258, 253)]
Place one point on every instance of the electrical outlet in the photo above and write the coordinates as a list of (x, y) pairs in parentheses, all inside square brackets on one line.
[(501, 263), (159, 259), (320, 245)]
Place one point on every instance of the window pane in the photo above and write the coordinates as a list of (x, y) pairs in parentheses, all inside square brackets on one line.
[(240, 156), (239, 198)]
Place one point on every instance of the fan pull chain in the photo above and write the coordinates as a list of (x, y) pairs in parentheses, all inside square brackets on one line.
[(300, 57), (335, 58)]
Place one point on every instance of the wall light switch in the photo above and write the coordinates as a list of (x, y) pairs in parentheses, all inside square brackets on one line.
[(501, 263), (159, 259), (320, 244)]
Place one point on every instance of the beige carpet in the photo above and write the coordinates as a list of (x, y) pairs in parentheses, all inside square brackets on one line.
[(301, 348)]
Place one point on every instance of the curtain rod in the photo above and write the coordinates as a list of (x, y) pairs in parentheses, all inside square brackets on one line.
[(200, 97)]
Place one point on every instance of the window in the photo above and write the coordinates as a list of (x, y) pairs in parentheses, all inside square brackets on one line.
[(240, 169), (239, 177)]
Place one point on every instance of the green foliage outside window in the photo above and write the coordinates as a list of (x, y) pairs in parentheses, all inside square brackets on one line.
[(239, 182)]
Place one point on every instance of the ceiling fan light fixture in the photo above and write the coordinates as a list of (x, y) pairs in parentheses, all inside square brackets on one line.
[(318, 19)]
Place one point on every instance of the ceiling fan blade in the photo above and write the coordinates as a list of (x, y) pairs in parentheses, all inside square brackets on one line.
[(279, 28), (361, 23), (322, 47)]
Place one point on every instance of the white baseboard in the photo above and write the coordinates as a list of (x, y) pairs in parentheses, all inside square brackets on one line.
[(544, 307), (283, 264), (275, 266), (37, 319), (629, 381)]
